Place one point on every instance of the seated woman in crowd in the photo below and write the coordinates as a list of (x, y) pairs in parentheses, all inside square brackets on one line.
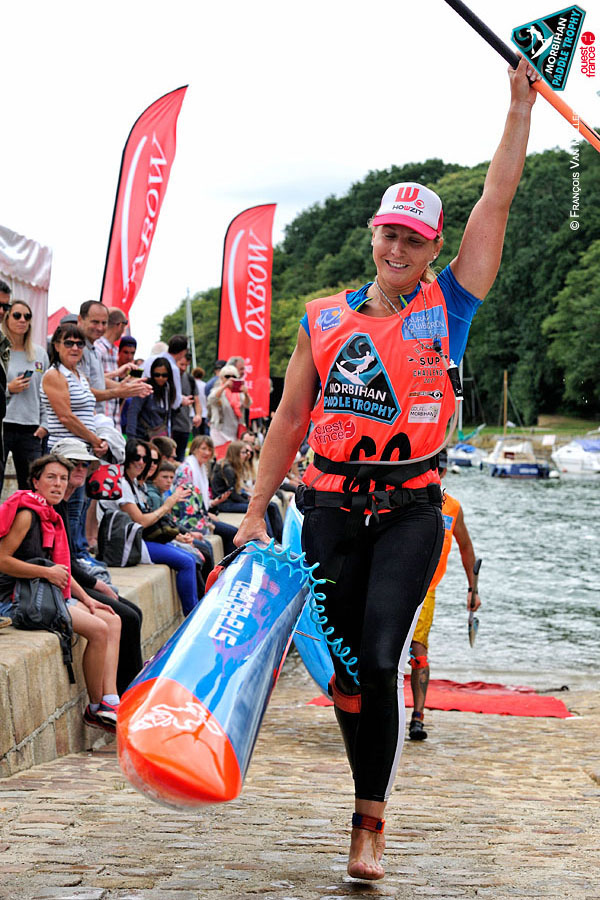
[(199, 509), (228, 476), (135, 503), (130, 647), (30, 528), (23, 429), (150, 417)]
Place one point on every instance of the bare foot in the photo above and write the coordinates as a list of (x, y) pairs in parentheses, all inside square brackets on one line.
[(366, 849)]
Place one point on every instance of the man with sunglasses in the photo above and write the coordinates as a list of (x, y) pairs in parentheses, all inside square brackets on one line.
[(93, 321)]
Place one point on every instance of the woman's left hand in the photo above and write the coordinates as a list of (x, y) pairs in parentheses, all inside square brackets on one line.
[(520, 82), (103, 588), (94, 605)]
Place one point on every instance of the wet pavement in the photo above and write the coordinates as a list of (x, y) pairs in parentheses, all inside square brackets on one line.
[(488, 807)]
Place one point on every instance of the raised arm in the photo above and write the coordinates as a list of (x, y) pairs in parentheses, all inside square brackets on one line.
[(283, 437), (478, 260)]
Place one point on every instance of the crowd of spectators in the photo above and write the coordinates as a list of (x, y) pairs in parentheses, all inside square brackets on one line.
[(84, 409)]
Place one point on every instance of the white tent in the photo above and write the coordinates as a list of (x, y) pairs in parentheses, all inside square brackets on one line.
[(25, 265)]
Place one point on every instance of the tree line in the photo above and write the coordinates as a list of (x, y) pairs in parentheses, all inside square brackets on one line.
[(541, 320)]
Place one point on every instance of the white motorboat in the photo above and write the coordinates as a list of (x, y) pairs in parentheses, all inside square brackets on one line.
[(580, 457), (511, 458)]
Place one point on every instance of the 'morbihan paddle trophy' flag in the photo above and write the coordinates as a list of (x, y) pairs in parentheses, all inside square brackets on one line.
[(245, 312), (145, 168)]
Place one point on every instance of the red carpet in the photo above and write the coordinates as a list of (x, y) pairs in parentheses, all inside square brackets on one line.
[(476, 696)]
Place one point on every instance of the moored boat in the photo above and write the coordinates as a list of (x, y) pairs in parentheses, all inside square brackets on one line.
[(515, 459), (465, 454), (580, 457)]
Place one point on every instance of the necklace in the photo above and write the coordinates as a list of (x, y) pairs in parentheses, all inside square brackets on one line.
[(406, 322)]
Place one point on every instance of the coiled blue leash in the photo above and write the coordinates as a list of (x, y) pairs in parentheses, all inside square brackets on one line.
[(283, 558)]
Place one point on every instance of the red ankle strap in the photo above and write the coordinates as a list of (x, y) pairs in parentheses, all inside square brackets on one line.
[(368, 823), (346, 702)]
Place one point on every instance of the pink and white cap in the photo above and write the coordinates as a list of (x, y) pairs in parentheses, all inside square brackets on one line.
[(413, 205)]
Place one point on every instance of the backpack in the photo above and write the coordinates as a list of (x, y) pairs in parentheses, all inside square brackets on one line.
[(119, 539), (40, 605)]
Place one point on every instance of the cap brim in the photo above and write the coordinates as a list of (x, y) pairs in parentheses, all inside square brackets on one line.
[(409, 221)]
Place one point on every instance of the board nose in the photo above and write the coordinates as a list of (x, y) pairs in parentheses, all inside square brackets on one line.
[(171, 746)]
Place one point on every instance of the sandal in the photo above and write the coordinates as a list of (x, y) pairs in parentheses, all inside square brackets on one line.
[(416, 729), (5, 621)]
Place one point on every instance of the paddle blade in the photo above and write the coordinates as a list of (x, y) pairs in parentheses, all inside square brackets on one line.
[(473, 628)]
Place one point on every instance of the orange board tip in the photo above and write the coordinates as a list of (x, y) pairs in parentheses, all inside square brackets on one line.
[(172, 748)]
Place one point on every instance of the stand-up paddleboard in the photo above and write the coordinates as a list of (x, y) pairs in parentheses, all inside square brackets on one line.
[(311, 645), (188, 723)]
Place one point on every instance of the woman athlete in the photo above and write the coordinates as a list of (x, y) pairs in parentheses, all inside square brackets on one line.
[(376, 529)]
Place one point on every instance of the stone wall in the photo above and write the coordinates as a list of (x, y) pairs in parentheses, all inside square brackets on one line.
[(40, 712)]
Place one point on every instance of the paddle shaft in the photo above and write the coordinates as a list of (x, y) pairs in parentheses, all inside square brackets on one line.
[(542, 87), (475, 581)]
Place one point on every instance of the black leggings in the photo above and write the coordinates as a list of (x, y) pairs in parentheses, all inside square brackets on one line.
[(373, 607)]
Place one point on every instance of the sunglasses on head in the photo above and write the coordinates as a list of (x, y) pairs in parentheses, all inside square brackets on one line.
[(139, 457), (74, 342), (19, 315)]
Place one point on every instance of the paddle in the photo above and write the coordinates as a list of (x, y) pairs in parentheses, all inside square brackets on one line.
[(473, 620), (585, 130)]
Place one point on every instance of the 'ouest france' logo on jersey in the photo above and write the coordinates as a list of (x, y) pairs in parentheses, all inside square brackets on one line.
[(358, 383)]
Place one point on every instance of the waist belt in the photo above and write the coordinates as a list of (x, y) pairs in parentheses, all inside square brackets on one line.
[(357, 474), (358, 499)]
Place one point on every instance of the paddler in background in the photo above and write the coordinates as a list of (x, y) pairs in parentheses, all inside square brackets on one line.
[(369, 372), (454, 525)]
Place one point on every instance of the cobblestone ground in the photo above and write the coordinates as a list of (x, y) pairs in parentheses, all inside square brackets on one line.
[(488, 807)]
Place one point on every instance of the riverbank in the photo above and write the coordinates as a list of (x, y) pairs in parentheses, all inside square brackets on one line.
[(488, 807)]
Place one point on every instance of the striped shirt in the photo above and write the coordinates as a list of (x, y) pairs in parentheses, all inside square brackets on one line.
[(83, 404)]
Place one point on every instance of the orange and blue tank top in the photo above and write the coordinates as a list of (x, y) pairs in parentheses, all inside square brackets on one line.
[(383, 386)]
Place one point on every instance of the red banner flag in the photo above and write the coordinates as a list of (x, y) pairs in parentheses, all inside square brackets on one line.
[(145, 168), (245, 313)]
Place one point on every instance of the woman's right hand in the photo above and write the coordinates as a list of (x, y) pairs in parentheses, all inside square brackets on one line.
[(58, 575), (180, 493), (18, 385), (221, 498), (252, 529), (100, 449)]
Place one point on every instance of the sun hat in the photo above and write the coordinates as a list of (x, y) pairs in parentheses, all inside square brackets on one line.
[(71, 448), (411, 204)]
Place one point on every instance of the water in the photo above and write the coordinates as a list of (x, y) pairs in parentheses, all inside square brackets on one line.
[(539, 622)]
